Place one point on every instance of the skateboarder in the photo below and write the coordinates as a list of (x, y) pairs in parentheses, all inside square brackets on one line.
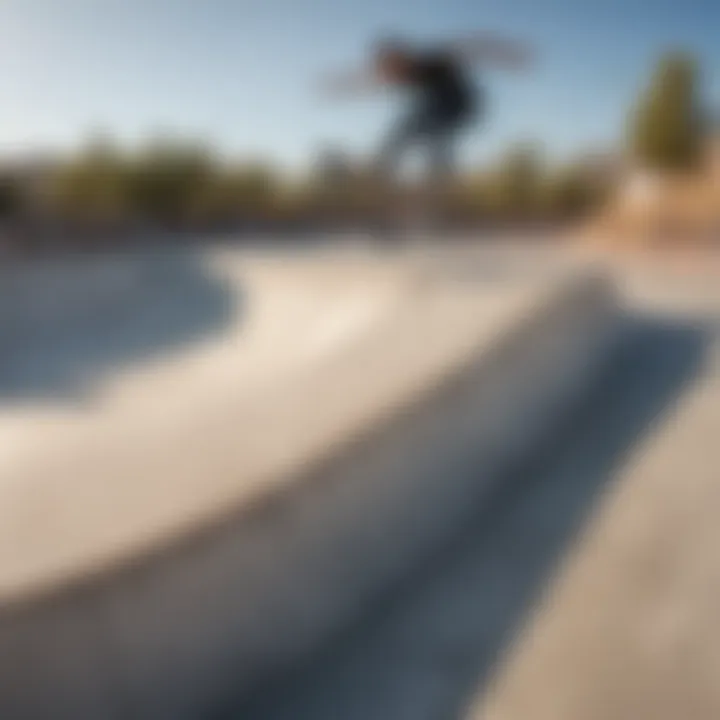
[(445, 100)]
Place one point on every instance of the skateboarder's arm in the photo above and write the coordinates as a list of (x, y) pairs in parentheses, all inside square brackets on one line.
[(351, 84), (490, 49)]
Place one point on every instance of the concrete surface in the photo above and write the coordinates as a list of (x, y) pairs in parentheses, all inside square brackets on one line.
[(107, 376), (629, 627), (589, 589), (186, 530)]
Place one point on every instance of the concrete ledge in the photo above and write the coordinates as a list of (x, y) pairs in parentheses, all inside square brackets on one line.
[(177, 581)]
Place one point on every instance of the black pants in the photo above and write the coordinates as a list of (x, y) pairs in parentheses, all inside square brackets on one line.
[(434, 129)]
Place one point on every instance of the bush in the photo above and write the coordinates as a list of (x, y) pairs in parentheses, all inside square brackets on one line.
[(573, 192), (514, 187)]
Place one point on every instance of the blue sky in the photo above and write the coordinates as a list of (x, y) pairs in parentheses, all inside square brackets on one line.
[(244, 72)]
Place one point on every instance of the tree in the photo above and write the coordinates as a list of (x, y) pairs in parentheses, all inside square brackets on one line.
[(166, 180), (90, 188), (235, 192), (573, 191), (11, 197), (515, 185), (666, 128)]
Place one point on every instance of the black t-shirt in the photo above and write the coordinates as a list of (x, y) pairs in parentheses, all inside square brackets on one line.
[(440, 84)]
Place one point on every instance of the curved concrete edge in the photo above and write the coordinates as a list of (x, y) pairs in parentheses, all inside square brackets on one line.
[(215, 615), (173, 446), (53, 297)]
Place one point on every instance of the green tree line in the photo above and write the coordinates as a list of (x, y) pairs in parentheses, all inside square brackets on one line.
[(176, 184)]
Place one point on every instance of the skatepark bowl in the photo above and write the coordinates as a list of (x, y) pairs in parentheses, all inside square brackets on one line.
[(213, 461)]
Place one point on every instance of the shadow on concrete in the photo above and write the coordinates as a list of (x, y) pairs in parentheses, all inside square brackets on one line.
[(68, 324), (427, 650)]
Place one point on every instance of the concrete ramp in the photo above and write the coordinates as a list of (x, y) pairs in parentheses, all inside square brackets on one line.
[(213, 507)]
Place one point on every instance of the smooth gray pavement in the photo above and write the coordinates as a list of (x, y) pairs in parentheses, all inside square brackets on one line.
[(589, 588), (214, 501)]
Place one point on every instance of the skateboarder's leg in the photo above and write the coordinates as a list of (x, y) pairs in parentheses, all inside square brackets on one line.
[(439, 144), (402, 136)]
